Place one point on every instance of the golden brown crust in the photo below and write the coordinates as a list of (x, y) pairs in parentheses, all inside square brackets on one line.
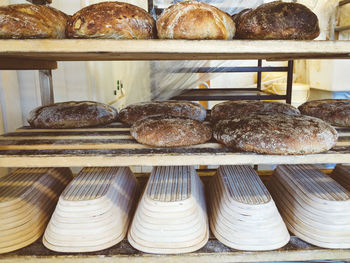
[(183, 109), (277, 20), (32, 21), (239, 108), (170, 132), (276, 134), (72, 114), (195, 20), (334, 111), (112, 20)]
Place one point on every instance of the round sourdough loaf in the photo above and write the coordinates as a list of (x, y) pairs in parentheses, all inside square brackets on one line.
[(276, 134), (115, 20), (333, 111), (32, 21), (277, 20), (72, 114), (238, 108), (195, 20), (183, 109), (170, 132)]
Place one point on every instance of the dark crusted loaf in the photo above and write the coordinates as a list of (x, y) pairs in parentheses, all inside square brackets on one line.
[(333, 111), (115, 20), (183, 109), (277, 20), (32, 21), (276, 134), (170, 132), (72, 114), (238, 108)]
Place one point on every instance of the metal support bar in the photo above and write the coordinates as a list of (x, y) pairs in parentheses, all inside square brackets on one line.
[(344, 2), (289, 81), (46, 87), (259, 75), (341, 28)]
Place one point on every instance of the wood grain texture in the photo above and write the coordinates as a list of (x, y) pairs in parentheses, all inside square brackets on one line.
[(84, 50)]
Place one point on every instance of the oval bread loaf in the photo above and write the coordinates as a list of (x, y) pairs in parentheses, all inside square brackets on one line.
[(32, 21), (183, 109), (277, 20), (238, 108), (72, 114), (276, 134), (115, 20), (195, 20), (334, 111), (170, 132)]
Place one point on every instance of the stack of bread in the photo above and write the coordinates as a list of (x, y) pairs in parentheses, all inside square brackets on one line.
[(28, 197), (94, 211), (242, 212), (270, 127), (167, 123), (183, 20), (314, 206), (171, 215)]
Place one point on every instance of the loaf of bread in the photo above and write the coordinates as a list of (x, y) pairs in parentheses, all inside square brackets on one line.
[(32, 21), (276, 134), (238, 108), (334, 111), (183, 109), (115, 20), (170, 132), (277, 20), (194, 20), (72, 114)]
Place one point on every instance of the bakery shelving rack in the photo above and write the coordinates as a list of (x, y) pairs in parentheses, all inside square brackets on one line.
[(113, 146)]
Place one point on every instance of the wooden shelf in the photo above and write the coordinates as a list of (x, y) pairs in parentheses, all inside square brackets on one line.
[(113, 146), (213, 252), (83, 50)]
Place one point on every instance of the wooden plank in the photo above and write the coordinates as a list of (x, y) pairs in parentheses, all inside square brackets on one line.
[(26, 64), (101, 49), (213, 252)]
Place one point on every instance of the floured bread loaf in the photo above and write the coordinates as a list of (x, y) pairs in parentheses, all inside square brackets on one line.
[(238, 108), (183, 109), (32, 21), (170, 132), (112, 20), (333, 111), (277, 20), (276, 134), (72, 114), (195, 20)]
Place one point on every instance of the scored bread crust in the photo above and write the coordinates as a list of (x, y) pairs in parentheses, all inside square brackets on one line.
[(194, 20), (238, 108), (115, 20), (276, 134), (334, 111), (72, 114), (22, 21), (277, 20), (170, 132), (184, 109)]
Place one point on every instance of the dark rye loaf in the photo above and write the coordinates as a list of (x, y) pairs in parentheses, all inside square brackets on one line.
[(238, 108), (72, 114), (170, 132), (182, 109), (334, 111), (277, 20), (276, 134)]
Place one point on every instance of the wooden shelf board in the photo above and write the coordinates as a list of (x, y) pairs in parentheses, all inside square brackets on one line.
[(213, 252), (83, 50), (113, 146)]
